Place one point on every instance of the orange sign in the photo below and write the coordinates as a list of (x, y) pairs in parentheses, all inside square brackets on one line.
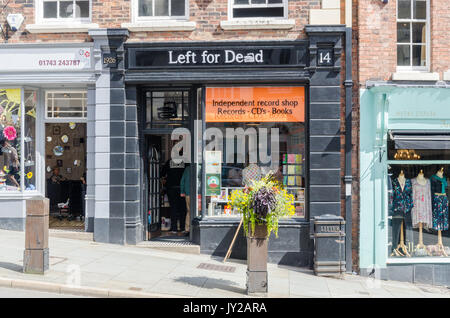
[(255, 104)]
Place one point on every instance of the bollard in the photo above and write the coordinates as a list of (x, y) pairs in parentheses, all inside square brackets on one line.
[(257, 260), (36, 254), (329, 245)]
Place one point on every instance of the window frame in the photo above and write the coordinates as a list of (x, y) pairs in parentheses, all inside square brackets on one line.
[(284, 5), (64, 119), (137, 18), (403, 68), (58, 20)]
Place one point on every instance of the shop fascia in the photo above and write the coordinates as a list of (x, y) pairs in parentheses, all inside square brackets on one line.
[(207, 57)]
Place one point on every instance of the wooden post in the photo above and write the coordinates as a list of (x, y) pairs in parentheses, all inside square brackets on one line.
[(257, 242), (232, 242), (36, 254)]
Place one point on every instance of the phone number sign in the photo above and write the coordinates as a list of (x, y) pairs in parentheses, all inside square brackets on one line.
[(46, 59)]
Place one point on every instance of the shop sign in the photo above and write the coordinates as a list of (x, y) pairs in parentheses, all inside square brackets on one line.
[(213, 184), (45, 59), (214, 57), (255, 104)]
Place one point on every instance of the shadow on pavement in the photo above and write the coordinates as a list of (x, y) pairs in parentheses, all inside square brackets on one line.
[(12, 266), (211, 283)]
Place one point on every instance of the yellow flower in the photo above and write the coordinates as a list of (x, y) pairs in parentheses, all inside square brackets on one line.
[(30, 175)]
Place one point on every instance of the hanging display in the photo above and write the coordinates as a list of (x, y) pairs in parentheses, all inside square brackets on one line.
[(58, 151), (72, 126), (64, 138)]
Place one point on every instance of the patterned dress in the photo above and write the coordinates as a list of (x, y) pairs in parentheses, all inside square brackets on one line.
[(421, 212), (440, 203), (402, 200)]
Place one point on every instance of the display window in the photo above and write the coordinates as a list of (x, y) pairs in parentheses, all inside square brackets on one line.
[(418, 186), (262, 131), (17, 140)]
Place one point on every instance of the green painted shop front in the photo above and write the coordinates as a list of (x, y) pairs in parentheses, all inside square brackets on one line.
[(386, 110)]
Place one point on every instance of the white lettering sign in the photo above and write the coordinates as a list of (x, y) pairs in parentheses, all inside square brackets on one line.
[(209, 58)]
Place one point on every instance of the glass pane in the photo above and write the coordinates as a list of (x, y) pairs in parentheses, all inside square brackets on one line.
[(258, 1), (161, 7), (50, 10), (10, 127), (403, 55), (82, 9), (419, 33), (240, 1), (30, 140), (166, 109), (403, 32), (258, 12), (178, 7), (416, 214), (404, 9), (419, 55), (66, 9), (66, 104), (420, 9), (275, 1), (145, 8)]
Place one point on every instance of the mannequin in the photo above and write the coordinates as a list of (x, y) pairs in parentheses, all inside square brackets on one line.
[(440, 206), (421, 212), (402, 208)]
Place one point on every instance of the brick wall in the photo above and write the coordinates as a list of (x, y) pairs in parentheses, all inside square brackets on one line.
[(206, 13), (377, 30)]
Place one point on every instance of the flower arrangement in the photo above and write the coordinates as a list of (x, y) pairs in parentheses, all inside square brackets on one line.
[(263, 202)]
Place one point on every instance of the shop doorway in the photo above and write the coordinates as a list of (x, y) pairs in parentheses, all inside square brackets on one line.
[(65, 164), (165, 209)]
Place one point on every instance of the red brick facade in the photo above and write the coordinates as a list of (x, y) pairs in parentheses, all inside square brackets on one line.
[(206, 13)]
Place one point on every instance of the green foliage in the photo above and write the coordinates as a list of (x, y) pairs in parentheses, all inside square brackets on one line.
[(242, 200)]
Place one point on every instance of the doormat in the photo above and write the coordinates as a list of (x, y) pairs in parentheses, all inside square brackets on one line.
[(220, 268)]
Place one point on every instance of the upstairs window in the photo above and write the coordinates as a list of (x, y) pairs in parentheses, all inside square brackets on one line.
[(412, 34), (259, 8), (79, 10), (175, 9)]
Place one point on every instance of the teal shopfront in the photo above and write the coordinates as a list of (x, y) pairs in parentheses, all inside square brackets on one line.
[(404, 182)]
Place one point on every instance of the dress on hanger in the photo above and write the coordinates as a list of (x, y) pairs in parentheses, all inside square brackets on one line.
[(421, 211), (440, 203), (402, 200)]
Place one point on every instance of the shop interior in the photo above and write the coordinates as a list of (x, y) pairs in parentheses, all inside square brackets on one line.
[(65, 174)]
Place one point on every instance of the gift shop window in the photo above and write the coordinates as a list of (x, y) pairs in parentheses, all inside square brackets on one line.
[(17, 140), (413, 35), (418, 194), (65, 11), (146, 10), (258, 131), (258, 8)]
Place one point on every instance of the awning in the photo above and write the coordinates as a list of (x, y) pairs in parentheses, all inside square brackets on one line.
[(409, 139)]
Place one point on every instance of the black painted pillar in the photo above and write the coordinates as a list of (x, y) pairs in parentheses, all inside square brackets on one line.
[(325, 120)]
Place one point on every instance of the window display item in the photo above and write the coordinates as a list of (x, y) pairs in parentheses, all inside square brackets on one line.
[(10, 133), (402, 204), (58, 151), (72, 126), (49, 169), (64, 138), (440, 206), (421, 211), (251, 173), (49, 138)]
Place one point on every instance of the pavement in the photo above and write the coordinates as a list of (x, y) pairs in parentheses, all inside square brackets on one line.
[(6, 292), (86, 268)]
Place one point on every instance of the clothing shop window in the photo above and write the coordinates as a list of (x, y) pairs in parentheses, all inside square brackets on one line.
[(66, 104), (418, 188), (412, 34), (257, 139), (74, 10), (17, 140), (175, 9), (259, 8)]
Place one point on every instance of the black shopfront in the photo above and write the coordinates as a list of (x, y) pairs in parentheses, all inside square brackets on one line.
[(167, 91)]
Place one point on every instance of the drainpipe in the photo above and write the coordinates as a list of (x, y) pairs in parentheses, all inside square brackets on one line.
[(348, 135)]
